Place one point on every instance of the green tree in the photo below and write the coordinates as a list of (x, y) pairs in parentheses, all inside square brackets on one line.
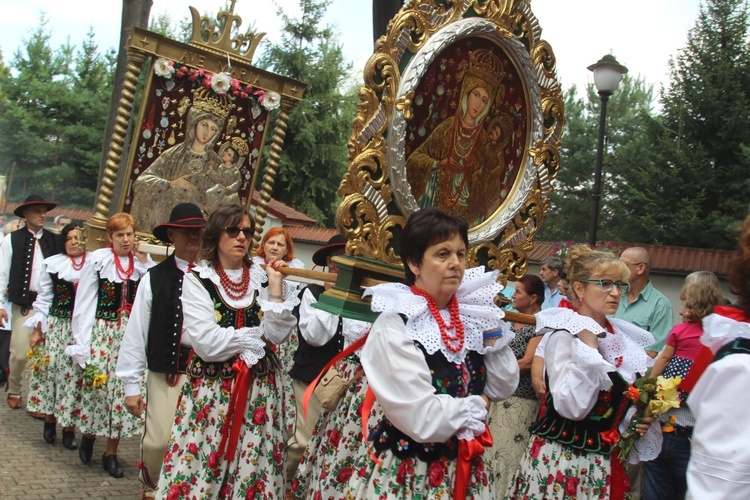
[(706, 121), (315, 154)]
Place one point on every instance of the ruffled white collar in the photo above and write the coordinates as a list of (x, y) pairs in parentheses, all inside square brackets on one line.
[(61, 265), (206, 271), (477, 310), (625, 349), (719, 330), (103, 261)]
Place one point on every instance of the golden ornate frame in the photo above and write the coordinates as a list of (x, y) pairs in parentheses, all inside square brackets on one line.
[(376, 200), (214, 49)]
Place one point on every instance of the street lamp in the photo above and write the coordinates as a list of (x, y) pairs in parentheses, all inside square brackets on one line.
[(607, 75)]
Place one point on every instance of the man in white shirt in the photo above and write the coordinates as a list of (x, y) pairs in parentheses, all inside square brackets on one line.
[(21, 256), (153, 339), (551, 273)]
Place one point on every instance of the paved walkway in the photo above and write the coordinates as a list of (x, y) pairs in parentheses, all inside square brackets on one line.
[(32, 469)]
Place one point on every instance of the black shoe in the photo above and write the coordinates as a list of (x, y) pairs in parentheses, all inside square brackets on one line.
[(110, 465), (86, 449), (49, 432), (69, 440)]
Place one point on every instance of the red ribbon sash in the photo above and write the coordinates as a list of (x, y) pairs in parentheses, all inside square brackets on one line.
[(467, 450), (230, 430)]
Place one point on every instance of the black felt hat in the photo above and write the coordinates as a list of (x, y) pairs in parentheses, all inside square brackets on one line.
[(32, 200), (319, 257), (184, 215)]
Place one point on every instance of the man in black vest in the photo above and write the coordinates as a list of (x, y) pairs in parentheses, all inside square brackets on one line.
[(153, 339), (21, 256), (309, 360)]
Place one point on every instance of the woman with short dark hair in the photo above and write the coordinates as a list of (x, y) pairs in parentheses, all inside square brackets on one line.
[(228, 436), (438, 345)]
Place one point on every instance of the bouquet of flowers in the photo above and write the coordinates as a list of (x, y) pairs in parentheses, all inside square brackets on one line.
[(92, 376), (38, 358), (651, 397)]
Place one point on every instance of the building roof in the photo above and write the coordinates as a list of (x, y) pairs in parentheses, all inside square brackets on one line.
[(664, 259), (287, 214), (73, 213), (317, 235)]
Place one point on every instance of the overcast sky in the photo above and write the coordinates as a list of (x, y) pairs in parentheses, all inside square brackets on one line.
[(641, 34)]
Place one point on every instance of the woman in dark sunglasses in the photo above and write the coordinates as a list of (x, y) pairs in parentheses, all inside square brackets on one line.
[(228, 435), (589, 360)]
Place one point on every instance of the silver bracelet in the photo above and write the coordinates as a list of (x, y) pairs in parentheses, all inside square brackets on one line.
[(275, 297)]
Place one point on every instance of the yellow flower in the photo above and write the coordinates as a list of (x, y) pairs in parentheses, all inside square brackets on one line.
[(30, 353), (47, 360), (668, 384), (99, 380), (658, 406), (218, 315)]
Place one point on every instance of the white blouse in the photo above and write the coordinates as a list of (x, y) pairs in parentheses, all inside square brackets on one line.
[(100, 263), (215, 343), (318, 327), (400, 377), (61, 265)]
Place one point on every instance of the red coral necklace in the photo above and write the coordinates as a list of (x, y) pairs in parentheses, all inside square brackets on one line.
[(78, 267), (235, 289), (454, 343), (124, 274)]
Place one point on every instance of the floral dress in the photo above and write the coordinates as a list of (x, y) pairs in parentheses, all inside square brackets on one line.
[(337, 449), (568, 454), (429, 394), (55, 385), (102, 307), (511, 419), (228, 436)]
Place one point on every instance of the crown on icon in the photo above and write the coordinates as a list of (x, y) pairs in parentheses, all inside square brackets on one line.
[(486, 66), (240, 146), (206, 100)]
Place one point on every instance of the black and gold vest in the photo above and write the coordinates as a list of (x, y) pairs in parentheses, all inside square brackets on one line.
[(22, 261), (447, 378), (111, 303), (63, 298), (163, 352)]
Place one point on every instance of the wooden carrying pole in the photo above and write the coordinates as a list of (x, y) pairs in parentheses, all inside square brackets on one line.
[(291, 272)]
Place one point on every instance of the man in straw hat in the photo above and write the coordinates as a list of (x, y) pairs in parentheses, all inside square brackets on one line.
[(153, 339), (21, 256)]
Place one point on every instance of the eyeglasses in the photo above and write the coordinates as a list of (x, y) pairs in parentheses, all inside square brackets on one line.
[(608, 285), (234, 231)]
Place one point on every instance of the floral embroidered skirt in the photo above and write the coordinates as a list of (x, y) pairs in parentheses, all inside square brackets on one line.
[(509, 422), (337, 462), (192, 466), (103, 411), (285, 353), (550, 470), (337, 452), (55, 387)]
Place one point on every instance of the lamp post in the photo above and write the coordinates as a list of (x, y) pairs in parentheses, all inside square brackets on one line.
[(607, 75)]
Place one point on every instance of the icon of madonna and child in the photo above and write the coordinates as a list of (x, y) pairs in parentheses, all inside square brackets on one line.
[(193, 171), (468, 162)]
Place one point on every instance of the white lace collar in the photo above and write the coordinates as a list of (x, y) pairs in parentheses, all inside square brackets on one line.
[(477, 310), (206, 271), (719, 330), (103, 261), (261, 275), (625, 350), (61, 265)]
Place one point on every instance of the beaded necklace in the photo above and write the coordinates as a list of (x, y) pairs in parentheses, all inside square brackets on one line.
[(78, 267), (235, 290), (456, 342), (124, 274)]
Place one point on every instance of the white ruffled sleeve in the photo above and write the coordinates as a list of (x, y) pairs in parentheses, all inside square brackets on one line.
[(400, 378), (317, 326), (278, 317), (576, 373), (84, 314), (43, 301), (209, 340)]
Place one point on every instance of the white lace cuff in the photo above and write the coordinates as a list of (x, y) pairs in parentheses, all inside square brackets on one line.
[(252, 347), (648, 446), (499, 342), (35, 320), (81, 354), (474, 425), (291, 300)]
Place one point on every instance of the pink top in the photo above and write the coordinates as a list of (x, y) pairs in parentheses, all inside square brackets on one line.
[(686, 339)]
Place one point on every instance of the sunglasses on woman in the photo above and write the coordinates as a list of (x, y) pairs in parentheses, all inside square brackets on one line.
[(234, 231), (609, 285)]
